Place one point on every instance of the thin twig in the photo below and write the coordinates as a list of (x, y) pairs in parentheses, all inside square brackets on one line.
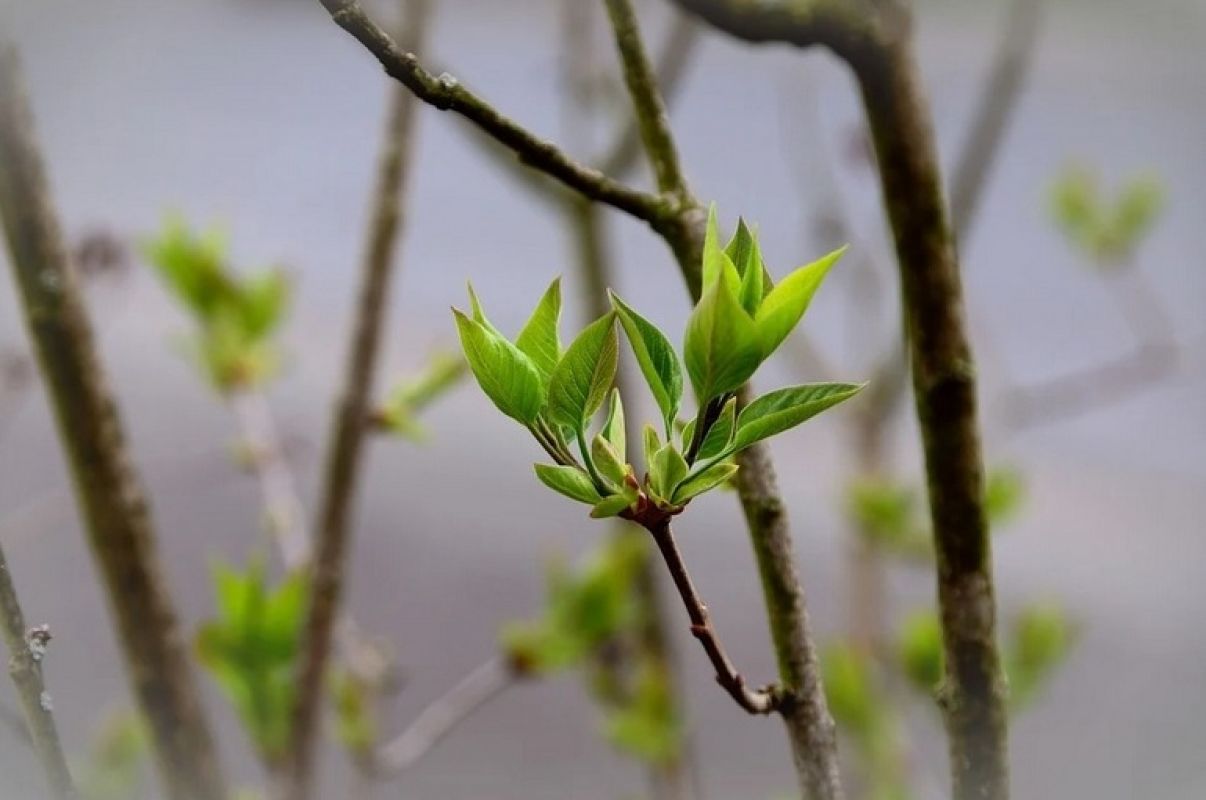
[(755, 701), (283, 509), (349, 425), (447, 94), (479, 687), (116, 515), (26, 649)]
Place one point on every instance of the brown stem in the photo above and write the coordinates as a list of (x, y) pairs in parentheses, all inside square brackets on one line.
[(447, 94), (760, 701), (26, 648), (115, 511), (348, 428)]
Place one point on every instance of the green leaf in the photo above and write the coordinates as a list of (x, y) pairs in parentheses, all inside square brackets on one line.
[(721, 345), (479, 314), (613, 505), (607, 460), (744, 252), (569, 481), (585, 373), (656, 358), (539, 339), (783, 307), (506, 375), (920, 650), (667, 470), (721, 434), (786, 408), (613, 428), (652, 444), (1004, 491), (704, 481)]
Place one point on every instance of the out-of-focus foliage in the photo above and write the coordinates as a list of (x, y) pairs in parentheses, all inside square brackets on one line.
[(646, 725), (585, 610), (356, 721), (250, 649), (1107, 230), (115, 766), (237, 317), (399, 413), (892, 516)]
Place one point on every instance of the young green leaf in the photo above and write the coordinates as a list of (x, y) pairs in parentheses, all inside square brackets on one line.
[(720, 435), (607, 460), (667, 470), (539, 339), (786, 408), (613, 428), (656, 358), (652, 443), (614, 505), (585, 373), (721, 345), (716, 261), (704, 481), (506, 375), (479, 314), (783, 307), (743, 250), (569, 481)]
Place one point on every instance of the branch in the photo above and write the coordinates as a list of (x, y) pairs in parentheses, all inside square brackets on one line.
[(115, 510), (26, 648), (760, 701), (1100, 385), (349, 424), (809, 724), (446, 94), (652, 119), (990, 121), (479, 687), (944, 387)]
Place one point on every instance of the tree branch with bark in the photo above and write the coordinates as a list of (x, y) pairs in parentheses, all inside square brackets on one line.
[(115, 511)]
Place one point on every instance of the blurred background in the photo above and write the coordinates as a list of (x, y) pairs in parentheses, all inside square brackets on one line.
[(262, 117)]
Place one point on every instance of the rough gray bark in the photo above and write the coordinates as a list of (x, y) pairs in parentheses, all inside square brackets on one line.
[(116, 517)]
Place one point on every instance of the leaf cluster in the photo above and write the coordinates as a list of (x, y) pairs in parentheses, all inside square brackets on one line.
[(1107, 230), (739, 321), (250, 649), (237, 317)]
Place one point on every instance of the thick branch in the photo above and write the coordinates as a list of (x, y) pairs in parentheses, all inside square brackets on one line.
[(944, 388), (349, 426), (446, 94), (759, 701), (25, 649), (116, 516)]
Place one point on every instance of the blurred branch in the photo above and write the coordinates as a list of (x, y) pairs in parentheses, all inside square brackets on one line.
[(437, 720), (349, 424), (1078, 392), (114, 507), (26, 648), (995, 104), (446, 94)]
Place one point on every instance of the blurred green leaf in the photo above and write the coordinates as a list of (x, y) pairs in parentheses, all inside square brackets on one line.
[(647, 725), (1004, 492), (409, 398), (848, 687), (920, 651), (1040, 640)]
